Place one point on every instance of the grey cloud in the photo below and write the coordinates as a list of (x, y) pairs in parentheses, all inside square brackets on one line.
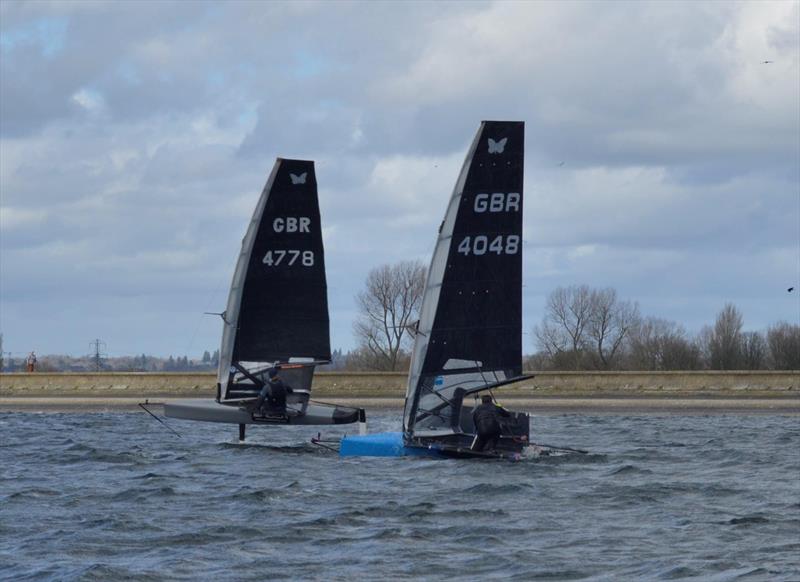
[(678, 152)]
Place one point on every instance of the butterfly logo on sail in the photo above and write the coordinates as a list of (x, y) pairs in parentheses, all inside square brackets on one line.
[(497, 147), (301, 179)]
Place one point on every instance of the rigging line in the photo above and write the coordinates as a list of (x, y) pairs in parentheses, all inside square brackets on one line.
[(143, 406), (323, 445), (446, 401), (480, 371), (437, 412), (320, 442)]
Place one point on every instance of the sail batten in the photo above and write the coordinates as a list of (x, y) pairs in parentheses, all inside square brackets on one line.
[(470, 320)]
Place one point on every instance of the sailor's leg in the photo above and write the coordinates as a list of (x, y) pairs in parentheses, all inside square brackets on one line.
[(478, 443), (241, 432), (262, 396), (362, 421)]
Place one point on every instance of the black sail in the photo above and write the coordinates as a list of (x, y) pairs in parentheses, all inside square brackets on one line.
[(278, 304), (471, 320)]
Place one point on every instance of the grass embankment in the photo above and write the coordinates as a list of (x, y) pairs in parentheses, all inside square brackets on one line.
[(760, 391)]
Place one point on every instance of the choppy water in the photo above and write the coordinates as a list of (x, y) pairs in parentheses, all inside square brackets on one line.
[(114, 496)]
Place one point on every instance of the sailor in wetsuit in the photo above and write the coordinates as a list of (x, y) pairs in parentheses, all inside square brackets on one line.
[(486, 418), (272, 398)]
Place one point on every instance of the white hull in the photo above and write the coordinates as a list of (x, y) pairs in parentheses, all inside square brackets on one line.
[(212, 411)]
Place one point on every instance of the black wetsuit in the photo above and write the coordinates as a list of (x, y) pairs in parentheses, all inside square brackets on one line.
[(486, 418), (272, 399)]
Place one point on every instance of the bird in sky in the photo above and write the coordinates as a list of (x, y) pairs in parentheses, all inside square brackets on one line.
[(561, 164), (790, 289), (767, 62)]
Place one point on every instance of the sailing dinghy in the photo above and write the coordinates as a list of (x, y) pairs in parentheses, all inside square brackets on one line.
[(469, 336), (277, 312)]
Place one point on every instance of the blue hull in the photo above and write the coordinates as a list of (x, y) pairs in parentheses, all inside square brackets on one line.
[(381, 444), (390, 444)]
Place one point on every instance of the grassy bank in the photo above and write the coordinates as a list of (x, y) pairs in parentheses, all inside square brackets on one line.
[(763, 392), (713, 384)]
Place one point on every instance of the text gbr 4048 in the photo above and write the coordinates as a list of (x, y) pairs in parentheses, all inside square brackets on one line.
[(500, 244)]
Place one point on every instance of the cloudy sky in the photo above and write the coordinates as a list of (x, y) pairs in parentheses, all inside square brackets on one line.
[(663, 154)]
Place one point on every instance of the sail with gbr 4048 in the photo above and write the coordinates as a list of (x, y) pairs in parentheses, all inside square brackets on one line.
[(469, 337), (277, 312)]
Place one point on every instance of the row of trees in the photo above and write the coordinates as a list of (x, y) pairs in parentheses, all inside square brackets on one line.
[(583, 329), (142, 363), (592, 329)]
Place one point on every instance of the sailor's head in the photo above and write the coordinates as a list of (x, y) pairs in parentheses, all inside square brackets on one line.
[(486, 399), (273, 371)]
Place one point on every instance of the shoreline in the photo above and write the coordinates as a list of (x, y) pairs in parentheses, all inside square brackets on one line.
[(541, 405)]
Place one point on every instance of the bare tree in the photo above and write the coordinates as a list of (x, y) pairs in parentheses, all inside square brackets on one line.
[(754, 351), (363, 358), (784, 346), (563, 331), (609, 325), (659, 344), (537, 361), (680, 353), (388, 306), (585, 327), (723, 342), (646, 343)]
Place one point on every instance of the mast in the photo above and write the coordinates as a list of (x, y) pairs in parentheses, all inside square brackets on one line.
[(470, 327)]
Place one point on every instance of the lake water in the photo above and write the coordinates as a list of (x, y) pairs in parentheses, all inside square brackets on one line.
[(112, 496)]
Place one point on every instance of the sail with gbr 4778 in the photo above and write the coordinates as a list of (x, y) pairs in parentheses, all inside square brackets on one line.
[(277, 310)]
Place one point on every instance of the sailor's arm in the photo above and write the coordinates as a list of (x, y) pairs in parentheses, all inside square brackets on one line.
[(502, 411)]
